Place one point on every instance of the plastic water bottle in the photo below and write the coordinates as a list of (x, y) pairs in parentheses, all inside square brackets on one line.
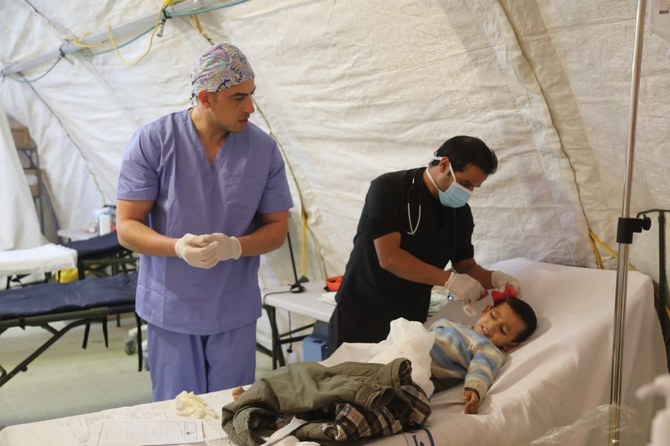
[(104, 224)]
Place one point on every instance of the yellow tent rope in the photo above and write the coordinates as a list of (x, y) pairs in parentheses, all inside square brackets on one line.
[(303, 215), (594, 248), (82, 42), (610, 251), (303, 243), (198, 27), (594, 238), (166, 3)]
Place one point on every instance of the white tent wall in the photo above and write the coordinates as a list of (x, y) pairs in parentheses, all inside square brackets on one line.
[(351, 89), (374, 105), (72, 189), (20, 228)]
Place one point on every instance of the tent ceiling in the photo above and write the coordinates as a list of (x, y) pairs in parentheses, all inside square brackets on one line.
[(352, 89)]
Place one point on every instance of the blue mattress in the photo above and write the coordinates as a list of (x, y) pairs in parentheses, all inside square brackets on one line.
[(52, 297), (76, 303), (97, 247)]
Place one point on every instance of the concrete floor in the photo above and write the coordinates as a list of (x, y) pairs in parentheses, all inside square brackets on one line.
[(68, 380)]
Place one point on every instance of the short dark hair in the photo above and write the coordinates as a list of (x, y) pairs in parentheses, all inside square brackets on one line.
[(464, 150), (525, 312)]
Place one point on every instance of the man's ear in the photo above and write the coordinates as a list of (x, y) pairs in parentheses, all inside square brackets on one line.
[(444, 165), (204, 98)]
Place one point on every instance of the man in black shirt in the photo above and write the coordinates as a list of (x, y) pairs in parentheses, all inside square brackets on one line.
[(414, 222)]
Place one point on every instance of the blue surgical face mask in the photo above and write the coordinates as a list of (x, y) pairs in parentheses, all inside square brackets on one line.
[(456, 195)]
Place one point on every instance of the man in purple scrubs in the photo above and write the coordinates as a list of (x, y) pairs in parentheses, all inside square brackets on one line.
[(202, 194)]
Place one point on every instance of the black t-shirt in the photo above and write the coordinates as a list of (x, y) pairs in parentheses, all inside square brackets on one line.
[(370, 297)]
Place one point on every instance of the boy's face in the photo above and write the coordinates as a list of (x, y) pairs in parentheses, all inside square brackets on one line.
[(501, 325)]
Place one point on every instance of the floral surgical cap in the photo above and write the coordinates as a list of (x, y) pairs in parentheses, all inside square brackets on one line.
[(221, 66)]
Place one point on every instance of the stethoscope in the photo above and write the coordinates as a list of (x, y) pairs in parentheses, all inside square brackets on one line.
[(413, 228)]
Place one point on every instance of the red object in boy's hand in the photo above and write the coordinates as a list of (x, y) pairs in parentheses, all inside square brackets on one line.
[(499, 296)]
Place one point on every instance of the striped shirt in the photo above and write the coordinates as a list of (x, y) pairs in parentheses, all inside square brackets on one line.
[(460, 353)]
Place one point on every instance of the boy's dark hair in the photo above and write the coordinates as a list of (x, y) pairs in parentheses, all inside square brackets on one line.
[(464, 150), (525, 312)]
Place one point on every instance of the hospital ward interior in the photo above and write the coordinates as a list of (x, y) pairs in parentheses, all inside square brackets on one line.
[(303, 222)]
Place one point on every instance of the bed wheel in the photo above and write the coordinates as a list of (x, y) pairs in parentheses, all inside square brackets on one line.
[(130, 346)]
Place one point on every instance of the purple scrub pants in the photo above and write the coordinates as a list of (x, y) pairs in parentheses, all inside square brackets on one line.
[(200, 364)]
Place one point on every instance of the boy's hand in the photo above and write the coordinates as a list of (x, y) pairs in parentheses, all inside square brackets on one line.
[(471, 399)]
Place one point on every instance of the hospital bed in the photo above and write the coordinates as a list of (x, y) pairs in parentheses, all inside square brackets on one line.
[(74, 304), (555, 379), (560, 377)]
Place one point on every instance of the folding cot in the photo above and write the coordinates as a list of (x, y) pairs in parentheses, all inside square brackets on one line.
[(98, 252), (76, 303)]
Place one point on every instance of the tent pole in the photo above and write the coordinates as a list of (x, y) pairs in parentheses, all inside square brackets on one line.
[(135, 27), (625, 239)]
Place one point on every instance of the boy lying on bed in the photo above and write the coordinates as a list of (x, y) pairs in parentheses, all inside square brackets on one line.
[(475, 354)]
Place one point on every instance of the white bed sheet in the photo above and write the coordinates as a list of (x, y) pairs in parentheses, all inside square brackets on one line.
[(563, 370), (74, 431), (42, 259), (554, 378)]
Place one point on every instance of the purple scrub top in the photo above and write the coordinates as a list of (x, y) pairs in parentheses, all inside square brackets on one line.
[(165, 162)]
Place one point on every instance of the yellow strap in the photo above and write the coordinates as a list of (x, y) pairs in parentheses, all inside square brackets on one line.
[(594, 239), (303, 243), (151, 40), (165, 5), (198, 27)]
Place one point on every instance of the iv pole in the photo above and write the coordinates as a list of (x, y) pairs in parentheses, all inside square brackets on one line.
[(626, 227)]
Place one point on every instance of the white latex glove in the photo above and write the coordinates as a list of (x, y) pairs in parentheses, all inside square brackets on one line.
[(500, 281), (196, 251), (190, 405), (226, 247), (464, 287)]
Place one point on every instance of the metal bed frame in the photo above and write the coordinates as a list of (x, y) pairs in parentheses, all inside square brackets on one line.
[(76, 303), (661, 301)]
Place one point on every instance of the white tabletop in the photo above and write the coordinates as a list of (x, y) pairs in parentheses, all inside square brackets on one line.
[(306, 303)]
